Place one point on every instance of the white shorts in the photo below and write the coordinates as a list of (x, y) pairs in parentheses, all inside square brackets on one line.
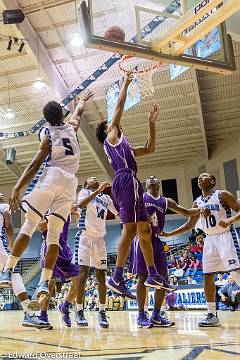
[(221, 252), (92, 251), (55, 190)]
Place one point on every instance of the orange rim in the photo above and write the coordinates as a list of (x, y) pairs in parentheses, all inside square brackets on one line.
[(127, 57)]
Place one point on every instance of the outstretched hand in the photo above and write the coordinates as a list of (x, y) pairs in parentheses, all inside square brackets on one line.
[(129, 77), (87, 95), (164, 234), (103, 186), (154, 113)]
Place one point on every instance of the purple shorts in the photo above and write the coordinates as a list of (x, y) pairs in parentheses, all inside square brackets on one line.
[(127, 194), (63, 269), (137, 263)]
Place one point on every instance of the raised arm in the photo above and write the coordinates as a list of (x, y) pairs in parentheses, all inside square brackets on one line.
[(30, 171), (9, 227), (172, 205), (190, 224), (113, 129), (231, 202), (85, 200), (150, 145), (79, 109)]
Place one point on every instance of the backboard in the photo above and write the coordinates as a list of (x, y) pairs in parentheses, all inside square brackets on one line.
[(164, 30)]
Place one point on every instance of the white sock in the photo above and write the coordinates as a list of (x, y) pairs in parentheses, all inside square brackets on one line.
[(25, 307), (163, 308), (236, 276), (11, 262), (102, 307), (79, 307), (145, 308), (45, 275), (211, 306)]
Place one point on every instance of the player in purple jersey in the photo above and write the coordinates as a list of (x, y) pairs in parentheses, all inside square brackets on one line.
[(156, 206), (63, 270), (127, 192)]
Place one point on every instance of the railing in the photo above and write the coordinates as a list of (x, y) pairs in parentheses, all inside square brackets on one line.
[(31, 272)]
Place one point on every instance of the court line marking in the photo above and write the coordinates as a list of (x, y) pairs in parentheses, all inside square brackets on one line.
[(138, 350)]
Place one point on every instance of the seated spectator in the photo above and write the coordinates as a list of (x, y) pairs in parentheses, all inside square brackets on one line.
[(178, 272), (230, 294), (194, 248), (166, 247), (221, 281), (93, 302), (185, 263), (219, 284), (194, 266), (191, 281), (200, 244), (174, 262)]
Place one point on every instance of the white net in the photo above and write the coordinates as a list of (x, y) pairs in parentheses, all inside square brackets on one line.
[(143, 71)]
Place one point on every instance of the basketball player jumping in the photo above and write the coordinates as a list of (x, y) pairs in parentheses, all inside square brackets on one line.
[(64, 270), (127, 192), (94, 205), (221, 250), (55, 190), (156, 206), (6, 244)]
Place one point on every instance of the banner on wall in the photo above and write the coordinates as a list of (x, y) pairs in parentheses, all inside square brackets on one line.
[(192, 298)]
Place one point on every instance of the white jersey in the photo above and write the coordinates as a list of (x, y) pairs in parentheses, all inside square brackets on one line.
[(213, 203), (65, 150), (93, 216), (3, 208)]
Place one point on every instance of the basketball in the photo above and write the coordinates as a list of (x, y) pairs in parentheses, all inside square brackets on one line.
[(115, 33)]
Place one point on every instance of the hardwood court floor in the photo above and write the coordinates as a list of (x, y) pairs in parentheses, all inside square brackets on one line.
[(123, 340)]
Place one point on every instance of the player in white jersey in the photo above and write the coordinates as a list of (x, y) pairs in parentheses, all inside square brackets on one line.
[(94, 205), (6, 243), (55, 190), (221, 250)]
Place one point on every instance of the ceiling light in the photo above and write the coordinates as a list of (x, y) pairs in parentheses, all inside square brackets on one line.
[(39, 83), (77, 40), (9, 114)]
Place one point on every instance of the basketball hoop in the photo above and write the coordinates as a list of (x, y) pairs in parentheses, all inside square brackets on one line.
[(143, 71)]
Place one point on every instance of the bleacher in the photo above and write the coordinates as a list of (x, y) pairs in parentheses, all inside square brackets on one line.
[(199, 275)]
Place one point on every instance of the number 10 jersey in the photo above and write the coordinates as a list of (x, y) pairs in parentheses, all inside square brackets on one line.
[(218, 211)]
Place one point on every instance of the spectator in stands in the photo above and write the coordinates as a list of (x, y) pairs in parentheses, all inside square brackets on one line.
[(2, 302), (230, 294), (185, 263), (219, 284), (174, 262), (178, 272), (191, 281), (200, 244), (194, 248), (194, 266), (93, 302), (166, 247)]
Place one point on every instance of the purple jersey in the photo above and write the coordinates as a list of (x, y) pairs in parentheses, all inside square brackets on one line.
[(121, 155), (156, 209)]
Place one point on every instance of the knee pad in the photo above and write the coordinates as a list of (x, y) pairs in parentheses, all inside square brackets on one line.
[(17, 284), (32, 220), (55, 226)]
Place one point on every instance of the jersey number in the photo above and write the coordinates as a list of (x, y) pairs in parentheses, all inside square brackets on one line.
[(211, 221), (100, 213), (67, 145)]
